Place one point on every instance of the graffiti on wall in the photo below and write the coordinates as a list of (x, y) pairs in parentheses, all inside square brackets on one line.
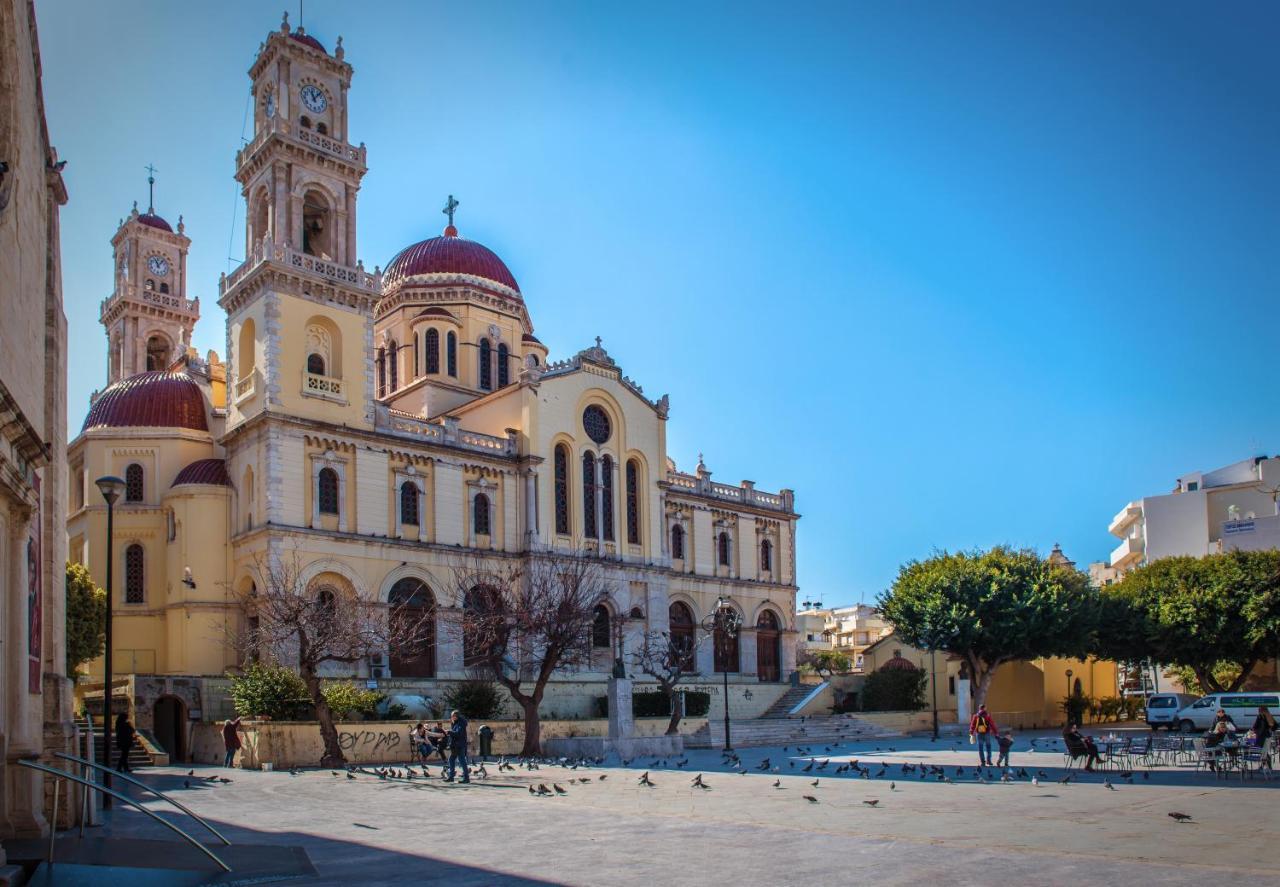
[(370, 743)]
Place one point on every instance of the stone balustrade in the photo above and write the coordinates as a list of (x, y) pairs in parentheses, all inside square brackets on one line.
[(746, 494)]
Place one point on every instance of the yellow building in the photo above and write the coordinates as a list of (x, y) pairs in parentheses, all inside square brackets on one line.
[(380, 425)]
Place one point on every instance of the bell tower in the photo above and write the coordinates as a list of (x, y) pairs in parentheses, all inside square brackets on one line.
[(148, 317)]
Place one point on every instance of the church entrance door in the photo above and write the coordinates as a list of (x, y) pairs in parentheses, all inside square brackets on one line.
[(768, 637)]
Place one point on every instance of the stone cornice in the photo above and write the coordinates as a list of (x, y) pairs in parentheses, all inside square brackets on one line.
[(282, 276), (425, 290)]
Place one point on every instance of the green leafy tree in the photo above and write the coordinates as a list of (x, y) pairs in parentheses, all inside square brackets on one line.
[(268, 691), (894, 690), (992, 607), (345, 698), (86, 618), (1217, 616), (826, 664)]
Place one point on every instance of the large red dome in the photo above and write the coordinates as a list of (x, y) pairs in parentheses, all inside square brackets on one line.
[(154, 221), (150, 400), (448, 254)]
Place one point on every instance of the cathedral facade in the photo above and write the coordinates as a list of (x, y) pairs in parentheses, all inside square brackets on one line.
[(378, 425)]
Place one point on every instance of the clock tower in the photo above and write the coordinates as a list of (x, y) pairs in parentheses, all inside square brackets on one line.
[(148, 317)]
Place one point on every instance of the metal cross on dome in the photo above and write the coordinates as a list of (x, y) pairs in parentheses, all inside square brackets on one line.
[(449, 207), (151, 185)]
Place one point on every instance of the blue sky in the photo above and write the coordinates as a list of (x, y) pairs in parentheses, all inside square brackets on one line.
[(959, 274)]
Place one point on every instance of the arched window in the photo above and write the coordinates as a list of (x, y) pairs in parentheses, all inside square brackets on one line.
[(133, 489), (677, 542), (134, 576), (600, 626), (305, 121), (317, 227), (562, 489), (479, 628), (726, 651), (322, 129), (606, 496), (451, 354), (633, 502), (722, 545), (413, 626), (768, 635), (431, 342), (393, 359), (480, 515), (588, 495), (164, 288), (683, 634), (157, 353), (409, 503), (382, 372), (326, 613), (416, 371), (315, 364), (766, 555), (149, 285), (247, 357), (324, 341), (504, 371), (327, 491), (486, 370)]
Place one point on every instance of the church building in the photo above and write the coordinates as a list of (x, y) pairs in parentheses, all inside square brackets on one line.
[(378, 425)]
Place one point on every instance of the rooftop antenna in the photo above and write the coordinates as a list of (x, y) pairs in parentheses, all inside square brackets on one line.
[(151, 186)]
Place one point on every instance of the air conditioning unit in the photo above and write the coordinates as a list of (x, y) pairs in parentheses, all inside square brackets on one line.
[(377, 672)]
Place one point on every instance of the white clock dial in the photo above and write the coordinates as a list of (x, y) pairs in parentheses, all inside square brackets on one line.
[(313, 98), (158, 265)]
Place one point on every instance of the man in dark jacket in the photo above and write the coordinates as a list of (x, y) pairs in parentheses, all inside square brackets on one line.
[(124, 741), (458, 747)]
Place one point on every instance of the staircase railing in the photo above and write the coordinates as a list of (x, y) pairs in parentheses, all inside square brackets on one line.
[(63, 774), (115, 774)]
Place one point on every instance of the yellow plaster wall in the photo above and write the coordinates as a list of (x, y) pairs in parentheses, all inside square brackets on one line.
[(294, 315)]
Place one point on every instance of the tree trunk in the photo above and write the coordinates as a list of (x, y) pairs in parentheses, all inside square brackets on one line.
[(985, 674), (332, 756), (1208, 683), (532, 729), (673, 725), (1246, 669)]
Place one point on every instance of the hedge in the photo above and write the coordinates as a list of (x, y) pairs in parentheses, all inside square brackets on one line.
[(655, 704)]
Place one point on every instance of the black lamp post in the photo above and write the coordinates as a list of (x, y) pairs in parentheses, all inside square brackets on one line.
[(727, 620), (111, 488), (1069, 695)]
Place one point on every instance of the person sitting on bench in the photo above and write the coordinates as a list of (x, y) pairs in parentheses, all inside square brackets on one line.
[(1081, 746)]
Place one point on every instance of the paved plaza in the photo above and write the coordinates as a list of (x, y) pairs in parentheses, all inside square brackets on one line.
[(743, 829)]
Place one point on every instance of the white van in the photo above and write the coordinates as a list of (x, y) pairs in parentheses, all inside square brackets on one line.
[(1242, 707), (1163, 708)]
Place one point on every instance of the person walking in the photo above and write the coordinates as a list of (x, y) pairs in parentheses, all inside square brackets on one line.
[(458, 747), (231, 740), (982, 727), (124, 741), (1264, 726)]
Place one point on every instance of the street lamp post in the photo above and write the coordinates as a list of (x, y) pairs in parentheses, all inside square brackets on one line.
[(1068, 711), (111, 487), (933, 684), (725, 619)]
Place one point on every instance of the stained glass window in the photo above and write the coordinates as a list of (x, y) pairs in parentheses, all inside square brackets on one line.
[(134, 589), (633, 502), (504, 371), (409, 503), (133, 490), (432, 345), (562, 489), (480, 518), (606, 497), (766, 555), (595, 422), (677, 542), (724, 549), (451, 354), (486, 369), (327, 491), (588, 495)]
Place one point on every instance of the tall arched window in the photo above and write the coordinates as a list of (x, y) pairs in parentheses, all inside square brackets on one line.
[(504, 371), (413, 625), (486, 370), (766, 555), (327, 491), (478, 625), (480, 515), (677, 542), (134, 575), (768, 636), (722, 545), (588, 494), (600, 626), (683, 634), (431, 342), (393, 358), (633, 502), (317, 229), (416, 371), (326, 613), (562, 489), (315, 364), (246, 355), (451, 354), (157, 353), (409, 503), (606, 496), (382, 372), (133, 488)]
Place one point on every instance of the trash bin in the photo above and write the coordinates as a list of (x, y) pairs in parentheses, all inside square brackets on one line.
[(486, 741)]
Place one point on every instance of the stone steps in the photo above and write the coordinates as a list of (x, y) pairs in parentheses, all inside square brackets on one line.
[(787, 731), (138, 756), (788, 701)]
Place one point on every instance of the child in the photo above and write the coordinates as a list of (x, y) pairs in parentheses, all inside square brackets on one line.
[(1005, 741)]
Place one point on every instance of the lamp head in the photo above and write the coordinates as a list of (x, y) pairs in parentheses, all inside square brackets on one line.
[(111, 488)]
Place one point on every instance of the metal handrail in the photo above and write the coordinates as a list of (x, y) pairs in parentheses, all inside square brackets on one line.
[(118, 775), (63, 774)]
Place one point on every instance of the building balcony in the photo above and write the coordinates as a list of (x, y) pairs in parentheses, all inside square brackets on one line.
[(1120, 523), (1128, 553), (329, 388)]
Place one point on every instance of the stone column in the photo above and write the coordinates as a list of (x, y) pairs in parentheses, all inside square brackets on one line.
[(747, 651), (621, 721), (787, 654), (530, 507)]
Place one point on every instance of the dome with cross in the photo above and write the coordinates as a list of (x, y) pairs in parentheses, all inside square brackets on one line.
[(448, 258)]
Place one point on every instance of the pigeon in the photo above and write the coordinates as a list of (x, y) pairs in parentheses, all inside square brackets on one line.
[(191, 773), (893, 786), (1107, 783), (812, 800), (814, 783), (559, 790), (697, 781), (645, 780), (224, 780), (777, 783), (1066, 778), (1179, 817), (532, 790), (543, 790), (333, 773), (602, 777), (872, 802), (351, 776)]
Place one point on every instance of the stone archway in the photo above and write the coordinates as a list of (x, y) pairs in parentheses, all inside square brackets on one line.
[(169, 726)]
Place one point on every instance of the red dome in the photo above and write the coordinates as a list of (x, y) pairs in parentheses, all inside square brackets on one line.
[(204, 471), (448, 254), (303, 37), (150, 400), (898, 663), (152, 220)]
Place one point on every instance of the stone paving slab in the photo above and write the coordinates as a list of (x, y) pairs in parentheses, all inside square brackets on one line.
[(743, 829)]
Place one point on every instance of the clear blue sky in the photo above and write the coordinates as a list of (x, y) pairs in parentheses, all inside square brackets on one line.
[(959, 274)]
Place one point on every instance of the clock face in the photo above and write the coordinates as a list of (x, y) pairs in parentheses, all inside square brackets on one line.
[(271, 104), (313, 98), (158, 265)]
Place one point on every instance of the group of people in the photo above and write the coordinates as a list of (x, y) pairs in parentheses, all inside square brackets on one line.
[(439, 740), (1223, 730), (982, 730)]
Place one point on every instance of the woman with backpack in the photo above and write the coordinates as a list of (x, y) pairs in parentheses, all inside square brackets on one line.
[(982, 728)]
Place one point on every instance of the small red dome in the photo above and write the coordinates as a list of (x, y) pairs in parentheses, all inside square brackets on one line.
[(150, 400), (152, 220), (204, 471), (303, 37), (898, 663), (448, 254)]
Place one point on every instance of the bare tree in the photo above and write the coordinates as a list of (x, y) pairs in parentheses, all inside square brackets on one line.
[(293, 622), (667, 658), (522, 622)]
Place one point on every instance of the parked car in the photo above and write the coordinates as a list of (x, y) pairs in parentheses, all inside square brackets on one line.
[(1243, 708), (1163, 708)]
